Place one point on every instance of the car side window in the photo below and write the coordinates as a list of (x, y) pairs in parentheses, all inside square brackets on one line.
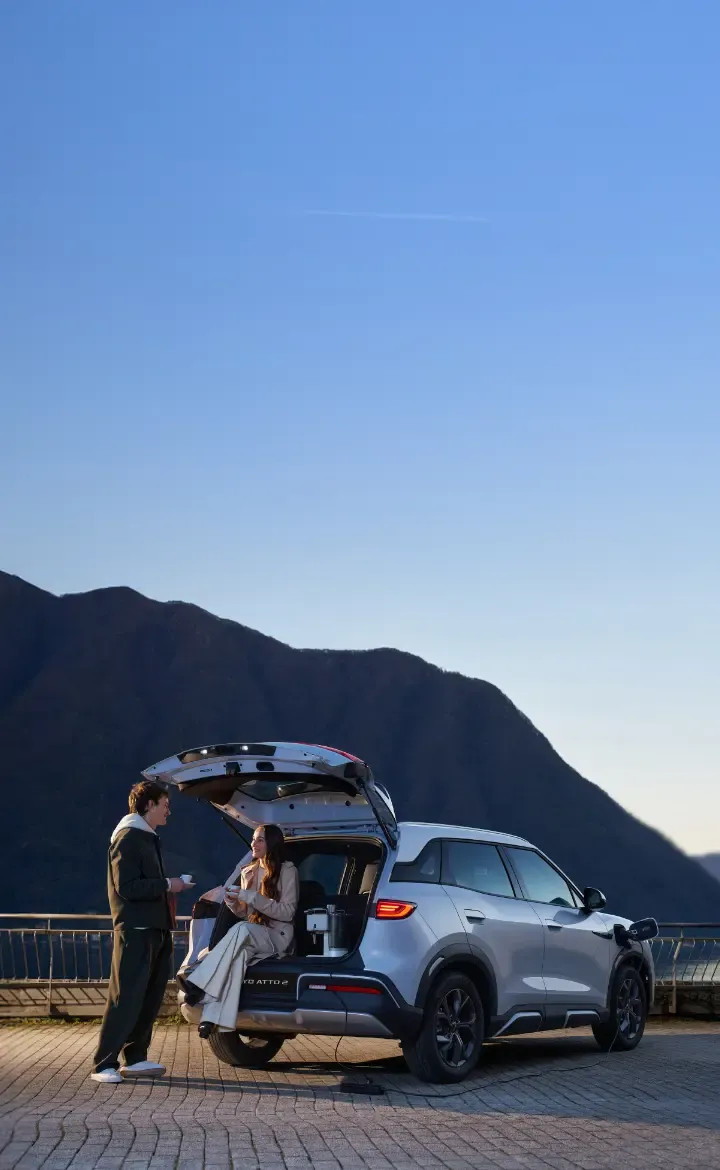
[(425, 867), (475, 866), (540, 880)]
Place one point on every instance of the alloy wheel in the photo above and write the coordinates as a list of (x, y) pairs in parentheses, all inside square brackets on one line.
[(455, 1028), (629, 1008)]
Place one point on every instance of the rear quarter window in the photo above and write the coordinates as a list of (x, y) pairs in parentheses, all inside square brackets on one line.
[(425, 868)]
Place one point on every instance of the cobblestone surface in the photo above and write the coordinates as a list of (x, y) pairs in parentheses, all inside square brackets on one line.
[(537, 1103)]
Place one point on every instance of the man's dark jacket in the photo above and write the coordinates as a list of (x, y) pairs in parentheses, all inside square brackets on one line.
[(137, 887)]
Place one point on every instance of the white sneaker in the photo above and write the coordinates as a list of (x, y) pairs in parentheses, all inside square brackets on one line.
[(143, 1068), (108, 1076)]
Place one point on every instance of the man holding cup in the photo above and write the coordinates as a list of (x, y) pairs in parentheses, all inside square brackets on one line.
[(142, 907)]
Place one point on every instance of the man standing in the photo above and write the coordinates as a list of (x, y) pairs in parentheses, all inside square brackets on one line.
[(143, 917)]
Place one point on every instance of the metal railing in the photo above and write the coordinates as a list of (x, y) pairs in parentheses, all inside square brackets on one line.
[(687, 961), (63, 950), (688, 957), (55, 948)]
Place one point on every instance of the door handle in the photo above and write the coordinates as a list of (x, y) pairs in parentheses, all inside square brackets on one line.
[(552, 924), (474, 916)]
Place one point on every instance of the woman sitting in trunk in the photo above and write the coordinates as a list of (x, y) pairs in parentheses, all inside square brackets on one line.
[(263, 909)]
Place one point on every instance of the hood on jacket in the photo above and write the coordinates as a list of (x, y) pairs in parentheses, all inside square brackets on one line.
[(131, 821)]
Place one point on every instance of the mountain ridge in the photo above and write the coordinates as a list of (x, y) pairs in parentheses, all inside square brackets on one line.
[(95, 686)]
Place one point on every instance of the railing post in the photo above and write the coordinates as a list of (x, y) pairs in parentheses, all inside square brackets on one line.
[(50, 969), (676, 952)]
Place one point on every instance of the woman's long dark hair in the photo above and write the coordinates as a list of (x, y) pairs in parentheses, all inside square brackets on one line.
[(272, 861)]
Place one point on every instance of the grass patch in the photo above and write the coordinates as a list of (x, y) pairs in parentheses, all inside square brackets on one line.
[(66, 1021), (55, 1021)]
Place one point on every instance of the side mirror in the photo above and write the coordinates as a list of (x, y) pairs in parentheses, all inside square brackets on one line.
[(593, 899)]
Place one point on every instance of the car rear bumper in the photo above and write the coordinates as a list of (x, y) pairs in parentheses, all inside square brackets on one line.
[(309, 1021), (325, 1004)]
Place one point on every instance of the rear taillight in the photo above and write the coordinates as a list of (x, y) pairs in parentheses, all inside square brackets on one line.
[(384, 908)]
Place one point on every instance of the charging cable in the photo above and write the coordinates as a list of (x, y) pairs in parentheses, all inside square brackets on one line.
[(367, 1088)]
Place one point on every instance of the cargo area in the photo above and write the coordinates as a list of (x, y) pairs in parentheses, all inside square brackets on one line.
[(337, 879), (338, 876)]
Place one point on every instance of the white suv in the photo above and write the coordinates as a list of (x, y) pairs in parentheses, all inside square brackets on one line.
[(438, 936)]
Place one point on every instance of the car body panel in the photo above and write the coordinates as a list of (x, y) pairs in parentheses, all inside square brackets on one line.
[(579, 953), (509, 935), (403, 949)]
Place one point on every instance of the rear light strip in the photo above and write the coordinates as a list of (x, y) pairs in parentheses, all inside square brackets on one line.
[(356, 989), (362, 990)]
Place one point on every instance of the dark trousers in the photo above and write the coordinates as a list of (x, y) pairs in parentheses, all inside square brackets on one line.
[(141, 965)]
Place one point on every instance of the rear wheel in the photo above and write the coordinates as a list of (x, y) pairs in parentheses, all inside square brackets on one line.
[(623, 1030), (447, 1048), (244, 1051)]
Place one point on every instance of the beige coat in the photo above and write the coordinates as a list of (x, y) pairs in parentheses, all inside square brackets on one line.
[(221, 971), (280, 913)]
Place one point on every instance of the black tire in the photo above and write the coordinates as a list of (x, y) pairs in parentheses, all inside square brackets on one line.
[(623, 1030), (447, 1048), (243, 1051)]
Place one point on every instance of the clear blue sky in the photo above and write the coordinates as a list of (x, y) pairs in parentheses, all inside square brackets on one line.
[(471, 410)]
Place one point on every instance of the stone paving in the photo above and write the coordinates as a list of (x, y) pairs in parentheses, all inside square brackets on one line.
[(543, 1102)]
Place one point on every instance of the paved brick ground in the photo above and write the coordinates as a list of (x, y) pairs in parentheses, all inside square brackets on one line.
[(551, 1102)]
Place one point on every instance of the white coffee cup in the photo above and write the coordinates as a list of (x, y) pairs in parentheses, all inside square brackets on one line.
[(187, 878)]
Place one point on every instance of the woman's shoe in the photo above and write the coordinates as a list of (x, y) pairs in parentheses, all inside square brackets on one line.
[(193, 994), (205, 1030)]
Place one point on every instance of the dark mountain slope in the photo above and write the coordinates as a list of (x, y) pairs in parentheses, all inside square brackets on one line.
[(96, 686)]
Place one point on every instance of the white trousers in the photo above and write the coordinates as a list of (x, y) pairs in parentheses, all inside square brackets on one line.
[(221, 971)]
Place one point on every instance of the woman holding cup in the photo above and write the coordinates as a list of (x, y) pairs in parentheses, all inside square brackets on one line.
[(260, 924)]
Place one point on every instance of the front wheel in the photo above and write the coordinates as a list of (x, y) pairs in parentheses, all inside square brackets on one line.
[(244, 1051), (447, 1048), (624, 1028)]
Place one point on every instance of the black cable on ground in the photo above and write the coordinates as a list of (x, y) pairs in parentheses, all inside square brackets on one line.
[(543, 1072), (369, 1087)]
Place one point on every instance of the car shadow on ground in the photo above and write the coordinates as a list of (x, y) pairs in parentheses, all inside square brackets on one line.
[(566, 1076), (499, 1060)]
